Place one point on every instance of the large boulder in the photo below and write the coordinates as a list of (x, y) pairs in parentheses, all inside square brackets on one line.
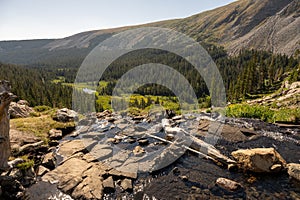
[(65, 115), (20, 109), (259, 160), (294, 170)]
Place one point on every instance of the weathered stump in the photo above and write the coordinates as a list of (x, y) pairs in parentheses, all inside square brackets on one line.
[(5, 98)]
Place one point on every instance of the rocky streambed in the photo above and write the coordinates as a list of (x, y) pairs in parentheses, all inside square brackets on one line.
[(110, 156)]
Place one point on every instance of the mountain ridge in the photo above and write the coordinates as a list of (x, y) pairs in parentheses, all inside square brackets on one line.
[(270, 25)]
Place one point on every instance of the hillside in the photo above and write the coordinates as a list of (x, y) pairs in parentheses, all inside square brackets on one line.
[(271, 25)]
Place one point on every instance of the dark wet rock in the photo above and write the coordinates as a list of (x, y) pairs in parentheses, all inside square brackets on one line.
[(53, 143), (176, 171), (108, 184), (130, 140), (49, 161), (138, 118), (276, 168), (170, 136), (170, 114), (259, 159), (228, 184), (25, 176), (65, 115), (143, 141), (294, 170), (55, 134), (11, 188), (232, 167), (126, 184), (110, 119), (20, 109)]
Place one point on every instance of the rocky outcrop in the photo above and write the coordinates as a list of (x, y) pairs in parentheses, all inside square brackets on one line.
[(259, 160), (65, 115), (285, 96), (20, 109)]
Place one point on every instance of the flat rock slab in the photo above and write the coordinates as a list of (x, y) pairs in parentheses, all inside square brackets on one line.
[(68, 175), (69, 148)]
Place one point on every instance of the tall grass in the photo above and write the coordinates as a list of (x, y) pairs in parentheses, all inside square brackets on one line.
[(263, 113)]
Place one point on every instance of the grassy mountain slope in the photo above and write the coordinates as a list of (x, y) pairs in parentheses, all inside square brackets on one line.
[(271, 25)]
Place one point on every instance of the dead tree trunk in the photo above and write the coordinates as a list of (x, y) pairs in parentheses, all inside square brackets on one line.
[(5, 98)]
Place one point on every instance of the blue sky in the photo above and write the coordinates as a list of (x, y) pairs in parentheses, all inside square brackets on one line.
[(36, 19)]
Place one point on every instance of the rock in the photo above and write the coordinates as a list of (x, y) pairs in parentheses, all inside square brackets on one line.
[(87, 121), (276, 168), (68, 175), (113, 140), (42, 170), (126, 184), (228, 184), (91, 186), (184, 178), (259, 159), (110, 119), (176, 171), (55, 134), (130, 140), (138, 151), (232, 167), (23, 102), (69, 148), (15, 162), (65, 115), (170, 136), (170, 114), (0, 191), (11, 187), (294, 171), (103, 114), (53, 143), (178, 117), (49, 161), (114, 172), (108, 185), (20, 109), (28, 177), (143, 141), (101, 151)]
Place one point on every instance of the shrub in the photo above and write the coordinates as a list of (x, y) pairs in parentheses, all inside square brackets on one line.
[(42, 108)]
